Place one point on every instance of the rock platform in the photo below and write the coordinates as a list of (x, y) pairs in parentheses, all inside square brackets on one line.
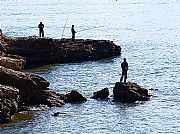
[(42, 51), (130, 92)]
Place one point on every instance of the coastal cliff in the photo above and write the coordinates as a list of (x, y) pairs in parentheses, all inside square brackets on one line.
[(42, 51), (18, 89)]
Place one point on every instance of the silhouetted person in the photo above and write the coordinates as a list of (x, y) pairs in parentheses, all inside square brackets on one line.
[(124, 66), (41, 29), (1, 32), (73, 33)]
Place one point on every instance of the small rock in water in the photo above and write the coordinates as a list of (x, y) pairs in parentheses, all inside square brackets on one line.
[(102, 94), (130, 92), (74, 97), (153, 89), (56, 114)]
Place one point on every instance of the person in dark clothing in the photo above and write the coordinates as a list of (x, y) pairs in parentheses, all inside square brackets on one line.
[(41, 29), (73, 33), (1, 32), (124, 66)]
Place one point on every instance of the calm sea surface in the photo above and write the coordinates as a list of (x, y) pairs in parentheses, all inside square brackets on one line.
[(148, 32)]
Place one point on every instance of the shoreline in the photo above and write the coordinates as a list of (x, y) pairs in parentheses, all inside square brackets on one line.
[(44, 51), (18, 89)]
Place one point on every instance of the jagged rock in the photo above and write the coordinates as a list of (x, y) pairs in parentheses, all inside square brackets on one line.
[(19, 89), (102, 94), (10, 61), (52, 98), (9, 100), (40, 51), (130, 92), (33, 88), (74, 96), (30, 86), (2, 49)]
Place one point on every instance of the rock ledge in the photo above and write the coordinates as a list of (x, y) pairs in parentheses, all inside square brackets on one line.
[(130, 92)]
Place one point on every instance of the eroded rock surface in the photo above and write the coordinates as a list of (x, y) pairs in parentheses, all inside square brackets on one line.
[(14, 62), (102, 94), (74, 97), (130, 92), (33, 89), (9, 102), (41, 51)]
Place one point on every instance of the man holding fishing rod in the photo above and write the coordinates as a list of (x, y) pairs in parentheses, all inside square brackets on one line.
[(41, 29), (73, 33)]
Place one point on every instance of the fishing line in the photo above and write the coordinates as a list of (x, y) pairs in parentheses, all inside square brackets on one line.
[(89, 28)]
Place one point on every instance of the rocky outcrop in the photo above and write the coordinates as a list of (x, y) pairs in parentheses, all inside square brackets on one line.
[(33, 89), (29, 85), (52, 99), (11, 61), (40, 51), (102, 94), (9, 101), (129, 92), (14, 62), (19, 89), (74, 97)]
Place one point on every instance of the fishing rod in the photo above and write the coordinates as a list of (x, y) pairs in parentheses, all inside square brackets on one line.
[(65, 25), (66, 21)]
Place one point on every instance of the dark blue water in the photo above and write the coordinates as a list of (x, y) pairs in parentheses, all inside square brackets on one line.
[(148, 32)]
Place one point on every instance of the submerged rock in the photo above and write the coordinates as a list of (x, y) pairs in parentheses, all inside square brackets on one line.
[(9, 102), (102, 94), (74, 97), (130, 92), (41, 51)]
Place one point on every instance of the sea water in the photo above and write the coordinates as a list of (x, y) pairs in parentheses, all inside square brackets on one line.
[(148, 32)]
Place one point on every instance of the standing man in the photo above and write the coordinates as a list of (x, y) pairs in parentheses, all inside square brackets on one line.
[(124, 66), (41, 29), (73, 33), (1, 32)]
